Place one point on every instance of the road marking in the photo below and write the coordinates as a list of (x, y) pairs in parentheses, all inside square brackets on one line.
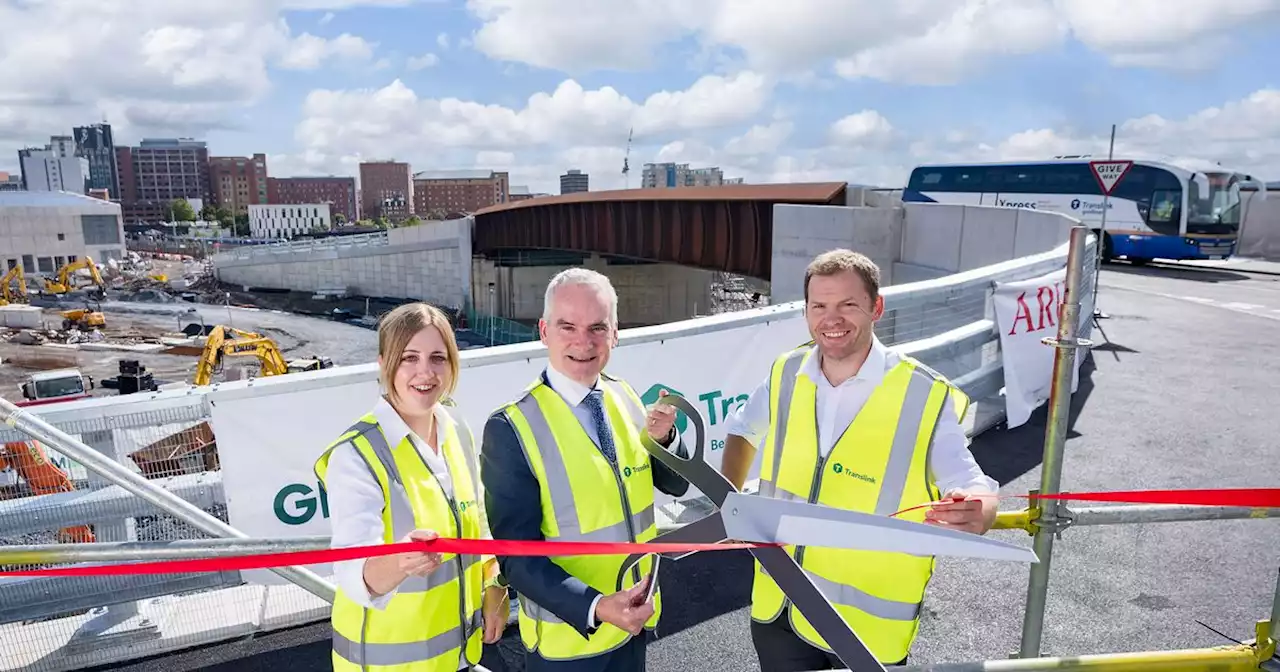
[(1233, 306)]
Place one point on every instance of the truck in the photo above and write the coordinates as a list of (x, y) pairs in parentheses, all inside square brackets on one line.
[(58, 385)]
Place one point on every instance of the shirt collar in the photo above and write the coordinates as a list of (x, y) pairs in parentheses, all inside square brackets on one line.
[(872, 370), (572, 391), (395, 428)]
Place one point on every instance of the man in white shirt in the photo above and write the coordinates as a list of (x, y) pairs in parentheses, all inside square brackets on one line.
[(843, 367)]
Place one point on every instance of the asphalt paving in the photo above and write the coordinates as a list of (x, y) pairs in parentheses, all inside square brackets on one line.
[(1178, 394)]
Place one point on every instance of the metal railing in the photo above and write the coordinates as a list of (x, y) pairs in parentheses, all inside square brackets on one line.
[(376, 239), (164, 442)]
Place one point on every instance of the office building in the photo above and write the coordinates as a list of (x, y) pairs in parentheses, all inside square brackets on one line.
[(94, 143), (44, 230), (575, 181), (674, 176), (287, 221), (386, 190), (440, 193), (45, 170), (158, 172), (10, 182), (238, 182), (338, 192)]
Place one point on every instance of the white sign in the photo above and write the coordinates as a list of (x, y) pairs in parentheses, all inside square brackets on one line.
[(1109, 173), (268, 443), (1026, 312)]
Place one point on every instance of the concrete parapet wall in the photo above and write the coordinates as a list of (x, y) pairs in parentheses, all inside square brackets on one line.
[(430, 261)]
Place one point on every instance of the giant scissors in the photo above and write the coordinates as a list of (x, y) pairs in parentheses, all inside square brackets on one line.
[(759, 519)]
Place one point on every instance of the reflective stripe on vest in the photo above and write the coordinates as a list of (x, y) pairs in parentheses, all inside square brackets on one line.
[(570, 515), (887, 449), (438, 652), (557, 474)]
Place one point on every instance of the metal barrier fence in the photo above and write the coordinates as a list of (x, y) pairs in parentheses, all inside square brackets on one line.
[(163, 443), (376, 239)]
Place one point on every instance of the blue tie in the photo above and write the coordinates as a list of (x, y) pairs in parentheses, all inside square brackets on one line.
[(595, 402)]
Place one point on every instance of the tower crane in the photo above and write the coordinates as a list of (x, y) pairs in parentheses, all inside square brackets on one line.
[(626, 160)]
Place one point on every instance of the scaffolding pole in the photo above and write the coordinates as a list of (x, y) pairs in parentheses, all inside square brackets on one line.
[(155, 551), (1055, 438), (1130, 514), (117, 473)]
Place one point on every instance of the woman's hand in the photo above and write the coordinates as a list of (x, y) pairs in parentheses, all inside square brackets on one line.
[(497, 609), (418, 563)]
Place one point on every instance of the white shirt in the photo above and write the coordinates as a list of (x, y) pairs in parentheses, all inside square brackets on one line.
[(950, 462), (356, 502)]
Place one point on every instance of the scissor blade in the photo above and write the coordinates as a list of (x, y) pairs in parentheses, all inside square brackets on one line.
[(769, 520)]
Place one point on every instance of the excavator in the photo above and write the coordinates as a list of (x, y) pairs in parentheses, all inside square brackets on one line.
[(31, 462), (231, 342), (8, 296), (65, 282)]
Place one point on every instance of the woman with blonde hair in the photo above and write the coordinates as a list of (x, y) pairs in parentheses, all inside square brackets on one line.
[(408, 470)]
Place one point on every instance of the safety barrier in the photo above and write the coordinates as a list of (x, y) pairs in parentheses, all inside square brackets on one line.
[(164, 440), (376, 239)]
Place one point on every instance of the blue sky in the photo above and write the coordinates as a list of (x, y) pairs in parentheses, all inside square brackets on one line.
[(834, 89)]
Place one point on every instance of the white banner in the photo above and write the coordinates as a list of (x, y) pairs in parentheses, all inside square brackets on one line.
[(268, 443), (1026, 312)]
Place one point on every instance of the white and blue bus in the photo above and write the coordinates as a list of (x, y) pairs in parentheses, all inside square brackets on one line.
[(1156, 211)]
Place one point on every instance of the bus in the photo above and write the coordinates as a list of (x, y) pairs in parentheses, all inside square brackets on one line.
[(1156, 211)]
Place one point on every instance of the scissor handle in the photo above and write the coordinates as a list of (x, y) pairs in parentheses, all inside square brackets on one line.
[(694, 469)]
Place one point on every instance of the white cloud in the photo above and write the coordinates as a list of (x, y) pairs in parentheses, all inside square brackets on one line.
[(422, 62), (394, 118), (443, 40), (151, 66), (865, 128), (915, 41)]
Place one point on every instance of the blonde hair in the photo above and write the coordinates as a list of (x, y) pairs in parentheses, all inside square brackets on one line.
[(397, 328)]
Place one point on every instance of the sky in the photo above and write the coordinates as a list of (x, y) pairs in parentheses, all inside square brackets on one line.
[(798, 91)]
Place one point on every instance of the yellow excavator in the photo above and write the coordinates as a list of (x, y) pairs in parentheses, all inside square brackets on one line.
[(231, 342), (66, 282), (8, 296)]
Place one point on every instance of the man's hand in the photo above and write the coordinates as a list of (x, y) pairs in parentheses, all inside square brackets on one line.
[(963, 511), (628, 609), (662, 417), (497, 609), (417, 563)]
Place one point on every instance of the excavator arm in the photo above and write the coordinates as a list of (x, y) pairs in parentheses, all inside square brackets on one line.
[(7, 295), (32, 463), (244, 344), (65, 283)]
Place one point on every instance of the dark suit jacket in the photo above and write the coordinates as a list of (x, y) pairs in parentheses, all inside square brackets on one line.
[(514, 507)]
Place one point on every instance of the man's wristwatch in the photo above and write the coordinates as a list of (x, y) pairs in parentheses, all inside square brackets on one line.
[(498, 581)]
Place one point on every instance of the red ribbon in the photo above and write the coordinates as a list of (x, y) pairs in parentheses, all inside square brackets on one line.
[(1241, 497)]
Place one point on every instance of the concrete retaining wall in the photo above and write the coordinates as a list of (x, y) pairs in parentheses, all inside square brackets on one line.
[(430, 261), (1260, 232)]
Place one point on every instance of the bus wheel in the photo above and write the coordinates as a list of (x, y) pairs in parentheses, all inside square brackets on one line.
[(1139, 261)]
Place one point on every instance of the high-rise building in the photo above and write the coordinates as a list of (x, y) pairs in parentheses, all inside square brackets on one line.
[(238, 182), (439, 193), (338, 192), (45, 170), (158, 172), (674, 176), (95, 144), (575, 181), (386, 190)]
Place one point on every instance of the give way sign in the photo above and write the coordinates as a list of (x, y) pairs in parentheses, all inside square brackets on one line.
[(1109, 173)]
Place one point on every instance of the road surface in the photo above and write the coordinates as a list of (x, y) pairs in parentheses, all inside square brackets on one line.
[(1179, 395)]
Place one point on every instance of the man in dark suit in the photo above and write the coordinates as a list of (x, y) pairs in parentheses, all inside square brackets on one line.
[(576, 420)]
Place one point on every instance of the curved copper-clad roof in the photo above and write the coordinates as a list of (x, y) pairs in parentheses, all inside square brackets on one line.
[(727, 228), (806, 192)]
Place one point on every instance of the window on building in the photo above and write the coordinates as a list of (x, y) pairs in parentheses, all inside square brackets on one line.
[(28, 262), (45, 265), (62, 236)]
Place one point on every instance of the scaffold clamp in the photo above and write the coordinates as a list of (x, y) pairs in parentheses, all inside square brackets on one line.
[(1082, 343)]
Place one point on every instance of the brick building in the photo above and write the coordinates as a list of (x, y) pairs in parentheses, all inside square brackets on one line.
[(159, 171), (439, 193), (386, 190), (338, 192), (238, 182)]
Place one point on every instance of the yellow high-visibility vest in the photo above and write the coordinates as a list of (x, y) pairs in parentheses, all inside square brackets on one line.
[(879, 465), (585, 498), (431, 620)]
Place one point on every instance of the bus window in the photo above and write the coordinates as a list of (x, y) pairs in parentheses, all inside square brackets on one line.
[(1163, 213)]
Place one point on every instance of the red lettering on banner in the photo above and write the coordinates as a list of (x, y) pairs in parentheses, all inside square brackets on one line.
[(1048, 303)]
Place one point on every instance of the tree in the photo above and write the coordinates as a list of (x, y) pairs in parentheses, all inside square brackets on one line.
[(182, 211), (411, 221), (339, 219)]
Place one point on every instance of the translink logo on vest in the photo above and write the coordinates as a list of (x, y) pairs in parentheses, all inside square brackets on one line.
[(839, 469), (627, 471)]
